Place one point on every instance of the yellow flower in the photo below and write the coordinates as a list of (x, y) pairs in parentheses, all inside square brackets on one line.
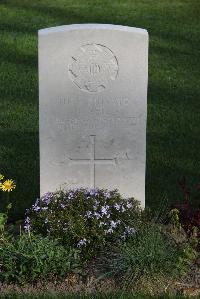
[(1, 176), (8, 185)]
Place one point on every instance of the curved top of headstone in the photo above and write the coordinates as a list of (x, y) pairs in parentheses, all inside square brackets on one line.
[(92, 26)]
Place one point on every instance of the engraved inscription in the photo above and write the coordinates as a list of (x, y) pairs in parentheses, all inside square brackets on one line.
[(98, 123), (93, 67), (100, 105), (93, 161)]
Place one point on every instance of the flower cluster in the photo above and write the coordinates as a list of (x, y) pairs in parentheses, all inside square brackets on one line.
[(6, 185), (27, 224), (86, 218)]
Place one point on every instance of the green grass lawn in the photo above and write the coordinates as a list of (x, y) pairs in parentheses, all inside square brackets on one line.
[(173, 129)]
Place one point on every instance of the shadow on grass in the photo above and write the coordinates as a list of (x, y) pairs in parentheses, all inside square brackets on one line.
[(21, 163), (12, 54)]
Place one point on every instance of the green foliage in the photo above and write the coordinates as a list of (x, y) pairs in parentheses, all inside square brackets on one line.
[(84, 218), (174, 219), (92, 296), (5, 186), (173, 109), (184, 260), (148, 254), (3, 220), (32, 257)]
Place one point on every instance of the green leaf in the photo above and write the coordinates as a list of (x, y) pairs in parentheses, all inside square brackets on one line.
[(3, 219)]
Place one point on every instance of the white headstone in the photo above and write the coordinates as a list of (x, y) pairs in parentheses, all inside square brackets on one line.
[(93, 107)]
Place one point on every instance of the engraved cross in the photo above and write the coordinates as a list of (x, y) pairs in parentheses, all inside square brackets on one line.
[(93, 161)]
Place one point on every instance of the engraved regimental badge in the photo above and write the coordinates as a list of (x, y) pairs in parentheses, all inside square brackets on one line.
[(93, 67)]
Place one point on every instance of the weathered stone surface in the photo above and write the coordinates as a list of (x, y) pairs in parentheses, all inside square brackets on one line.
[(93, 107)]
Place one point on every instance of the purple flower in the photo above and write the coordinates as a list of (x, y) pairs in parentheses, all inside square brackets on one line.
[(109, 231), (129, 205), (106, 194), (37, 201), (93, 192), (113, 224), (47, 197), (70, 195), (97, 215), (82, 242), (96, 202), (27, 224), (88, 214), (36, 208), (104, 210), (62, 205), (27, 211), (128, 232), (117, 207), (76, 190)]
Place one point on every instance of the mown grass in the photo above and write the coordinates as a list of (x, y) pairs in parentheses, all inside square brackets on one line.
[(173, 139), (104, 296)]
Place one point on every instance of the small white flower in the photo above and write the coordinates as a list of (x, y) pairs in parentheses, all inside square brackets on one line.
[(123, 209), (36, 208), (117, 207), (70, 195), (123, 236), (110, 231), (83, 242), (106, 194), (97, 202), (130, 230), (27, 224), (101, 223), (88, 214), (113, 224), (97, 215), (104, 210), (44, 208)]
